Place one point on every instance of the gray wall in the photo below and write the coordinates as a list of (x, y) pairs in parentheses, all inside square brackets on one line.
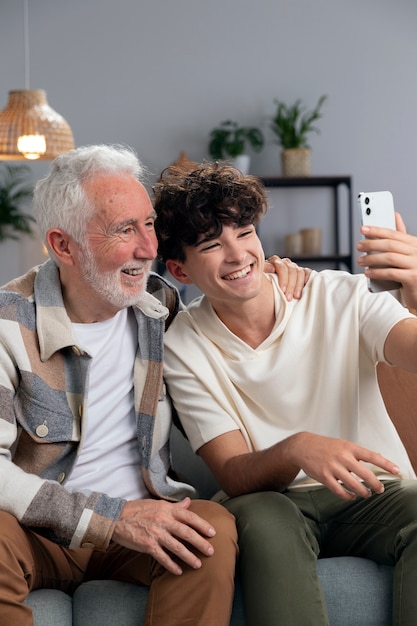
[(158, 75)]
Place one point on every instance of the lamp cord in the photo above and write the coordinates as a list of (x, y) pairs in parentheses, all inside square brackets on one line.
[(26, 41)]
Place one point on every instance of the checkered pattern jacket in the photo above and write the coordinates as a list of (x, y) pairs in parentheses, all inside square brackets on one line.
[(43, 374)]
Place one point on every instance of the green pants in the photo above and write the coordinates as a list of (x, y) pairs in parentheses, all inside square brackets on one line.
[(281, 535)]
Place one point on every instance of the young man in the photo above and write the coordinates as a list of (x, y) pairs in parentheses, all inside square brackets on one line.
[(281, 400)]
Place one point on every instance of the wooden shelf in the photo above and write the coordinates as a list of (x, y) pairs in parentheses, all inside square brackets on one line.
[(332, 182)]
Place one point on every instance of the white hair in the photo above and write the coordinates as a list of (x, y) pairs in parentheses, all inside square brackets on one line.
[(60, 200)]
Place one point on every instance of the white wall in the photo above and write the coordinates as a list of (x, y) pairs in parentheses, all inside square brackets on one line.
[(158, 75)]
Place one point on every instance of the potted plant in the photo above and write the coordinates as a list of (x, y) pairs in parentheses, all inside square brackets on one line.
[(291, 125), (14, 189), (230, 141)]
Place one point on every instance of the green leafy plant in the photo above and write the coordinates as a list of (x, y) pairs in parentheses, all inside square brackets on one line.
[(14, 190), (292, 124), (230, 140)]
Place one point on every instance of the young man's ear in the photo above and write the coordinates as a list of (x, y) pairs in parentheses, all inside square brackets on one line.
[(175, 268)]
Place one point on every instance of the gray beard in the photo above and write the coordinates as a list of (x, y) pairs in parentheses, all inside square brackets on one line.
[(107, 285)]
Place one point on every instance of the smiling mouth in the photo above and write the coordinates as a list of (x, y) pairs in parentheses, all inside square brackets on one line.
[(133, 271), (240, 274)]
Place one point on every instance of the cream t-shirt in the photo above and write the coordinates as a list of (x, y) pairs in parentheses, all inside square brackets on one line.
[(316, 371)]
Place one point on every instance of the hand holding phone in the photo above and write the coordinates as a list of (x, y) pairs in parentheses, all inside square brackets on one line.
[(377, 209)]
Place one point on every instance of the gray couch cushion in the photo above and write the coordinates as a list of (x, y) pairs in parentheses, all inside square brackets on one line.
[(50, 607), (358, 592), (98, 602)]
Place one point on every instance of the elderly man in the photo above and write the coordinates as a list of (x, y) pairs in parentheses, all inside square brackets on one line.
[(84, 486)]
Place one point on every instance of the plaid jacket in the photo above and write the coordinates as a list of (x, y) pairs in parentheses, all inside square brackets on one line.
[(43, 374)]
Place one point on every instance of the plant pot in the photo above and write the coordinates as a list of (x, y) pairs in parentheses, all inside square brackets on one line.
[(296, 162), (242, 163)]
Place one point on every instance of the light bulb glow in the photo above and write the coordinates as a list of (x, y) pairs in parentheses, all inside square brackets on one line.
[(31, 146)]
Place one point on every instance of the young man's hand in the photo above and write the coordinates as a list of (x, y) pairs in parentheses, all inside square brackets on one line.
[(394, 257), (291, 277), (339, 465)]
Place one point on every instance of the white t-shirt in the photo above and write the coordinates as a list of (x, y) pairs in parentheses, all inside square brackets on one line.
[(109, 458), (316, 371)]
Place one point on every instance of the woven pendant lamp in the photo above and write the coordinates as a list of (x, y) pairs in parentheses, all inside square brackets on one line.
[(29, 127)]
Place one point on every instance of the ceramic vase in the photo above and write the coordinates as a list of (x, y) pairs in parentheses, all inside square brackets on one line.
[(296, 162)]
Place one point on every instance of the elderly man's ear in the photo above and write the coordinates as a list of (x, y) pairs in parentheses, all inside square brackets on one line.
[(61, 245), (176, 269)]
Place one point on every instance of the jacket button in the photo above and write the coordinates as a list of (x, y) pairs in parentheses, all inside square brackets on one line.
[(61, 477), (76, 350), (87, 544), (42, 430)]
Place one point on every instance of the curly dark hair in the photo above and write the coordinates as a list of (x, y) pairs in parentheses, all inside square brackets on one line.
[(200, 201)]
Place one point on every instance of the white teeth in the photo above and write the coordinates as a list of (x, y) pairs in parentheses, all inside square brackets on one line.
[(133, 272), (239, 274)]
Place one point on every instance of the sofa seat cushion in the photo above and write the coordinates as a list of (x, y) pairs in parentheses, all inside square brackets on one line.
[(357, 592), (50, 607)]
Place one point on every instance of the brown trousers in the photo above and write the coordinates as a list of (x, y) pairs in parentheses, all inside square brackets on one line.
[(203, 597)]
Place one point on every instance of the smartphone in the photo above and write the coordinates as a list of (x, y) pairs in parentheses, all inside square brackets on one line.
[(377, 209)]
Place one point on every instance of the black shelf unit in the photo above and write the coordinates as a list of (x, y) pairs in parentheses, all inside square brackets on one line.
[(334, 183)]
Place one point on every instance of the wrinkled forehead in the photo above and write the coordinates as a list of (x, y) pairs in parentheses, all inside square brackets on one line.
[(110, 194)]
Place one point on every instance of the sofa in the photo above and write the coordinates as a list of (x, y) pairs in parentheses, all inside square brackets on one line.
[(358, 591)]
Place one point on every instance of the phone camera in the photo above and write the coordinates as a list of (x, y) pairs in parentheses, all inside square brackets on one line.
[(368, 210), (366, 200)]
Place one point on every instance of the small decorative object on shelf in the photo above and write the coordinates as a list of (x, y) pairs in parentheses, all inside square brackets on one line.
[(306, 242), (184, 162), (293, 245), (229, 141), (291, 125), (311, 238)]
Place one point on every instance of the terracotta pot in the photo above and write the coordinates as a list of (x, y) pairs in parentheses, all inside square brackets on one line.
[(296, 162)]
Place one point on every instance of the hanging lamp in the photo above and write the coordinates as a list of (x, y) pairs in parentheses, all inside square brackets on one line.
[(29, 127)]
